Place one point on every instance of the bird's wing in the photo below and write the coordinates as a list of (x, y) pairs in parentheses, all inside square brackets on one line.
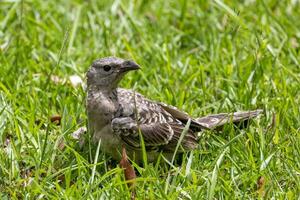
[(156, 136), (158, 127), (217, 121)]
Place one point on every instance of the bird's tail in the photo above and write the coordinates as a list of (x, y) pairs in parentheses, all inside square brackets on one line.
[(217, 121)]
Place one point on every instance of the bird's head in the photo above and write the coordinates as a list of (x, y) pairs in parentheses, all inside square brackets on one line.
[(107, 72)]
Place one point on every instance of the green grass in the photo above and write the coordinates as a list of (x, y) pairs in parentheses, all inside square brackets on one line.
[(201, 56)]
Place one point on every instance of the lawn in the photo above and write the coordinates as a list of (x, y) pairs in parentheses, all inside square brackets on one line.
[(201, 56)]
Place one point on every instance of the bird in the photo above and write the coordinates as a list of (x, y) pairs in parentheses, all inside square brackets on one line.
[(119, 117)]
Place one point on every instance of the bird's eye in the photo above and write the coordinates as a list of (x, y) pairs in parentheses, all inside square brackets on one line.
[(106, 68)]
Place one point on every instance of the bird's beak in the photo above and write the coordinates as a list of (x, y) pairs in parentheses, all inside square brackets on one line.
[(129, 65)]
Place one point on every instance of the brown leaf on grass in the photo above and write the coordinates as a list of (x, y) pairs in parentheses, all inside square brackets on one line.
[(56, 119), (261, 186), (128, 169), (128, 172)]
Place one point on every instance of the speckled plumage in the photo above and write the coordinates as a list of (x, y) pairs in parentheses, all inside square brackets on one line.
[(117, 116)]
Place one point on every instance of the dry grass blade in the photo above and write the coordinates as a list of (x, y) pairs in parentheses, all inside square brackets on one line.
[(261, 186)]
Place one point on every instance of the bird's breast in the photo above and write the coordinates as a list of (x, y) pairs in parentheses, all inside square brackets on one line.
[(101, 109)]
